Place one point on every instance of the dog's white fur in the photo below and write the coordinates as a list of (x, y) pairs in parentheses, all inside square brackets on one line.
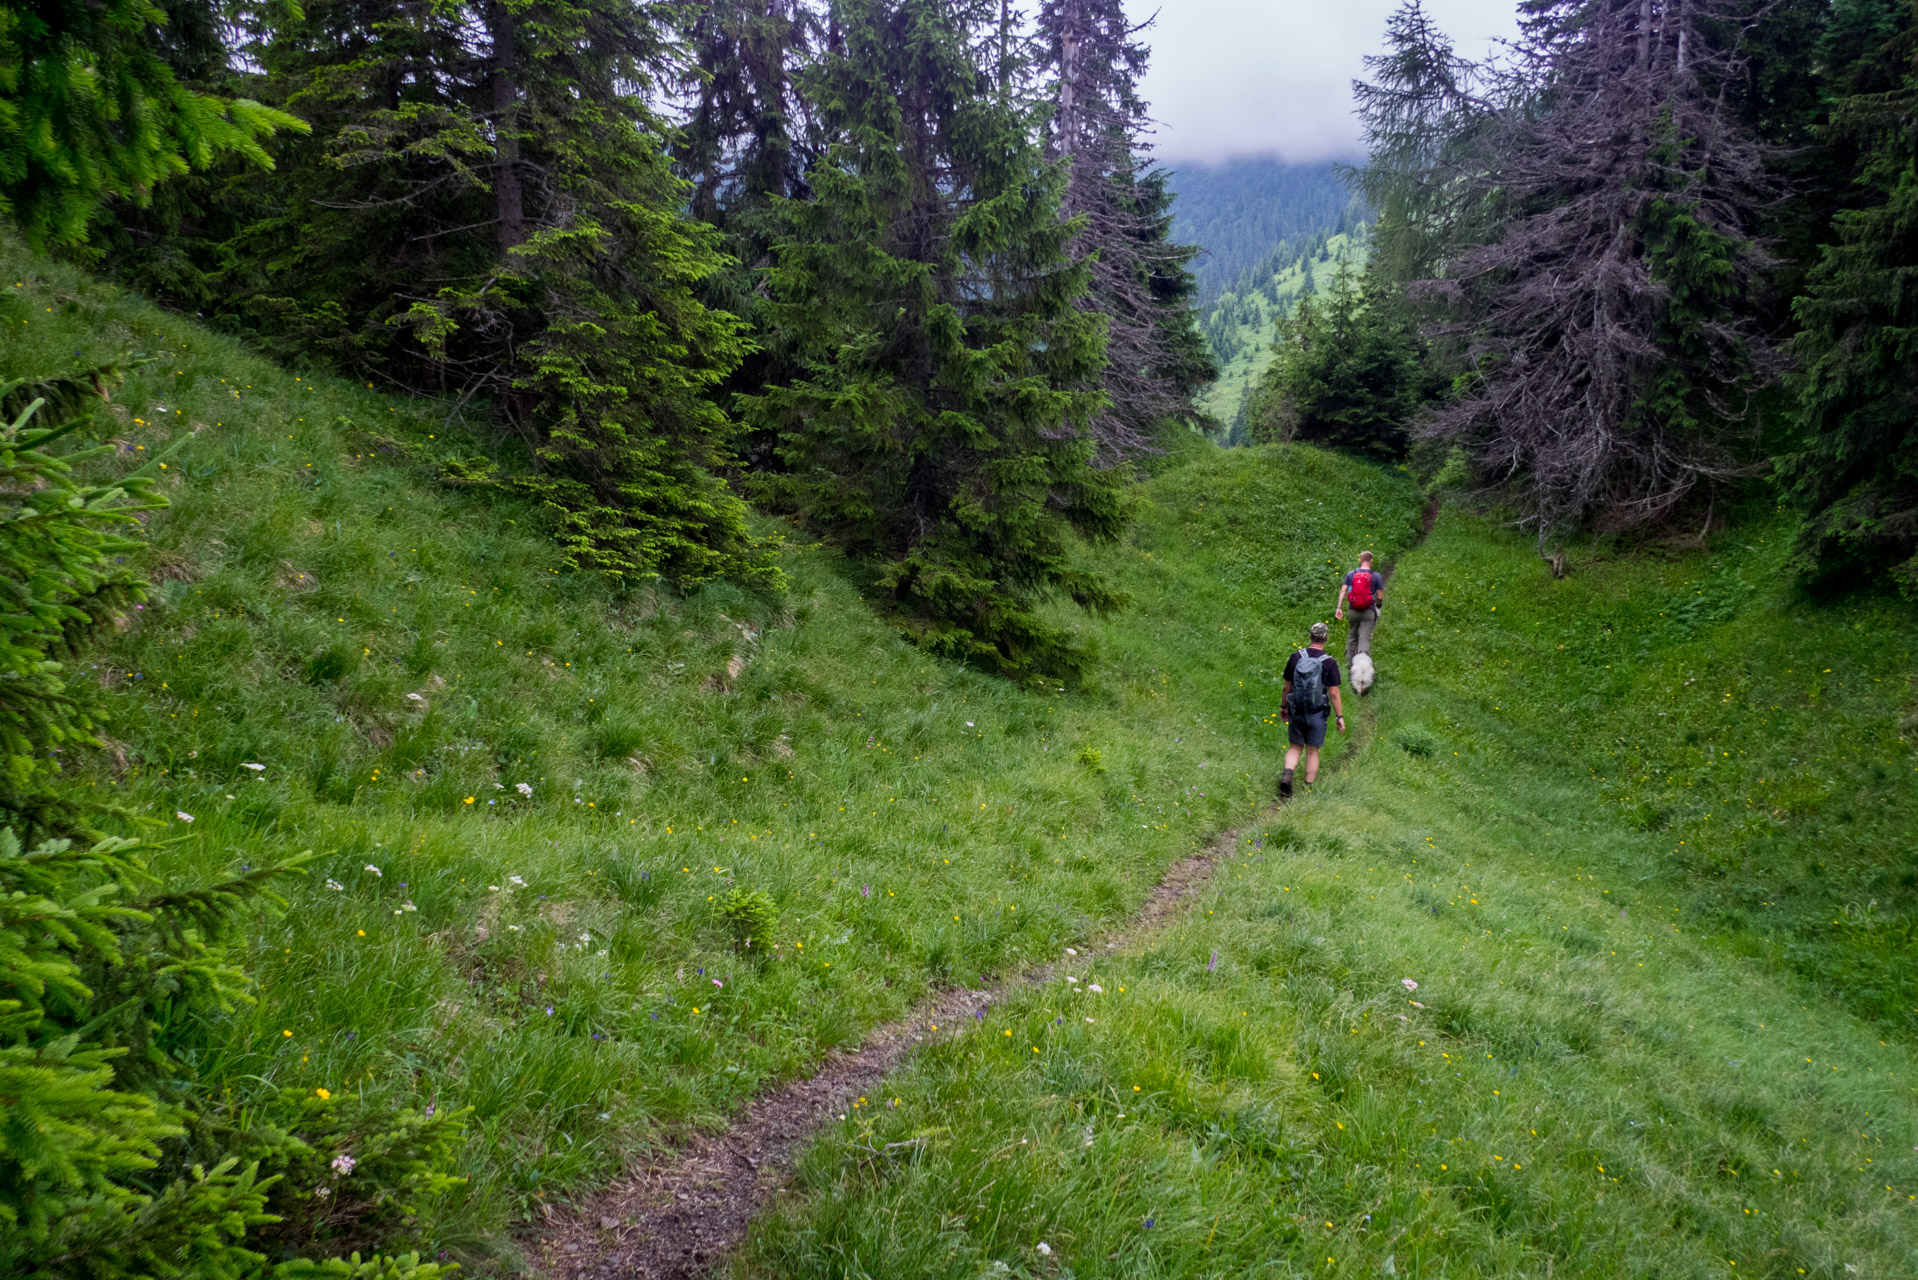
[(1362, 674)]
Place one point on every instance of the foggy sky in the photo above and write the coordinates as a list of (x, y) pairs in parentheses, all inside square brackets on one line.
[(1234, 78)]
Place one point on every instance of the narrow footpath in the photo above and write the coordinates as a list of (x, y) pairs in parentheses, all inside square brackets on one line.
[(678, 1218)]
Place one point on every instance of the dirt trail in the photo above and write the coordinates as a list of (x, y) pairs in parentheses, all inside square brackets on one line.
[(678, 1218)]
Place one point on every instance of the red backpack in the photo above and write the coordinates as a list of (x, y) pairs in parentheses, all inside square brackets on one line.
[(1360, 597)]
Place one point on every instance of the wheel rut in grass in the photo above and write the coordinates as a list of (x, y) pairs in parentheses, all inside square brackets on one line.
[(679, 1217)]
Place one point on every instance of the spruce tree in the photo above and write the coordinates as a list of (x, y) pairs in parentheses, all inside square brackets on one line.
[(487, 211), (90, 109), (1092, 58), (947, 374), (610, 389), (110, 1167), (1422, 111), (61, 542), (1855, 470), (1609, 315), (1345, 372), (748, 141), (748, 134)]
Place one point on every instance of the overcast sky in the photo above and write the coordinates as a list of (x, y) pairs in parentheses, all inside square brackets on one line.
[(1234, 78)]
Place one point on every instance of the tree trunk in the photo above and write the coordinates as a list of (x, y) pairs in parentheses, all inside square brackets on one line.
[(1005, 50), (1068, 92), (509, 197)]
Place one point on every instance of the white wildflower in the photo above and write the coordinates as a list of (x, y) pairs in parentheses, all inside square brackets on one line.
[(1045, 1250), (524, 788), (343, 1164), (183, 815), (1096, 989), (257, 768), (376, 871), (1408, 984), (334, 885)]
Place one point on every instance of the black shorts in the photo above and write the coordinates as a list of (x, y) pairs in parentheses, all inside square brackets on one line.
[(1308, 731)]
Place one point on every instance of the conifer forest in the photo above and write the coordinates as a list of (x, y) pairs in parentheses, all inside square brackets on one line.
[(656, 638)]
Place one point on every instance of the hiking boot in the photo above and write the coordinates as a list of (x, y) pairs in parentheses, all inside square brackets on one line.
[(1285, 785)]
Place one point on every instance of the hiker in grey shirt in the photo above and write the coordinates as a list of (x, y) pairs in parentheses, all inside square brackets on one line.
[(1362, 591)]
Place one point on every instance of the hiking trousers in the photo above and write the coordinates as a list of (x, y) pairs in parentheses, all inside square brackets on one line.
[(1360, 624)]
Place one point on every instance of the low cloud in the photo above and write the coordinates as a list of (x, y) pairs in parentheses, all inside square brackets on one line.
[(1235, 78)]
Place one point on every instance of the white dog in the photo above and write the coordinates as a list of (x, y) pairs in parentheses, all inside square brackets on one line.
[(1362, 674)]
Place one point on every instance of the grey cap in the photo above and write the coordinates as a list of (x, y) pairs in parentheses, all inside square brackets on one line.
[(1320, 633)]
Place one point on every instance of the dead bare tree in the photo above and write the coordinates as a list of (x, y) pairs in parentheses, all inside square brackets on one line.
[(1607, 322), (1092, 59)]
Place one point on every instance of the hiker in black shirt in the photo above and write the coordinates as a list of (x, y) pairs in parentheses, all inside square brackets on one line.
[(1311, 697)]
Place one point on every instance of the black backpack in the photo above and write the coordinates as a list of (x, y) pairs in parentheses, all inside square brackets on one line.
[(1308, 684)]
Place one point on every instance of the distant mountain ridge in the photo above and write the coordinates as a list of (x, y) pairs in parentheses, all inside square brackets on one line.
[(1242, 210)]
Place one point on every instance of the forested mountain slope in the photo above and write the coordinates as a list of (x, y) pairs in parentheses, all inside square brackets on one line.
[(1241, 210), (1241, 322)]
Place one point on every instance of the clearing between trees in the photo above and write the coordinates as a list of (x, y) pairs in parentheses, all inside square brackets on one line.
[(1640, 837)]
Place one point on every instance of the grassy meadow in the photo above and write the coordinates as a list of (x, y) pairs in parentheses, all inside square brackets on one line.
[(1596, 962), (530, 791), (1592, 957)]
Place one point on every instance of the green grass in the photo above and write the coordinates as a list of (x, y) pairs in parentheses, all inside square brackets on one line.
[(401, 658), (1648, 862)]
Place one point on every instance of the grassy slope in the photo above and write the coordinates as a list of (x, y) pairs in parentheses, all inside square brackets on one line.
[(1252, 337), (402, 657), (1653, 879)]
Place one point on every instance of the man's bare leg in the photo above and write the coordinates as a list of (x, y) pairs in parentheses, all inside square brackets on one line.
[(1311, 765)]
